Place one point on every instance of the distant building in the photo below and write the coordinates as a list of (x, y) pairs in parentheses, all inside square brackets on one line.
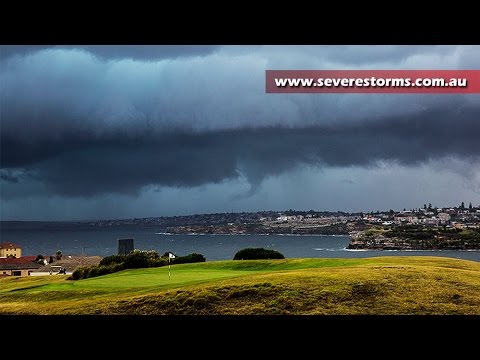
[(10, 249), (432, 221), (18, 267), (125, 246), (457, 225), (400, 218), (412, 220), (444, 217)]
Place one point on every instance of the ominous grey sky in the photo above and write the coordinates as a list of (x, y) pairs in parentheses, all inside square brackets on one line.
[(132, 131)]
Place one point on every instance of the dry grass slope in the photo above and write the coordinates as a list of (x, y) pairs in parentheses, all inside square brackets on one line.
[(387, 285)]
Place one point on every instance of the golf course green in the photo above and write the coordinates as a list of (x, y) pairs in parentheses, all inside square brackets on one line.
[(380, 285)]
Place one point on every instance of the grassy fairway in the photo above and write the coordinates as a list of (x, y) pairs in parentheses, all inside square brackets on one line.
[(386, 285)]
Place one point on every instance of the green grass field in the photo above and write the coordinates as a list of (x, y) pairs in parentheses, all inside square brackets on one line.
[(382, 285)]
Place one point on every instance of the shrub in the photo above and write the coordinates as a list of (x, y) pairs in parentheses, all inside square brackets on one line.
[(191, 258), (158, 262), (117, 267), (93, 271), (108, 269), (151, 254), (85, 272), (112, 259), (257, 253), (80, 272), (139, 259), (104, 270)]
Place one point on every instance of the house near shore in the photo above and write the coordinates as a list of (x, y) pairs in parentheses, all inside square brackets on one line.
[(18, 267), (8, 249)]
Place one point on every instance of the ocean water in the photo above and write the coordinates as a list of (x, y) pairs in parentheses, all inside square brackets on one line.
[(103, 242)]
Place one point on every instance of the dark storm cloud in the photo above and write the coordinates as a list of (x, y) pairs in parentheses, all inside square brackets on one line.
[(5, 175), (7, 51), (140, 52), (91, 121), (359, 54), (125, 164), (148, 52)]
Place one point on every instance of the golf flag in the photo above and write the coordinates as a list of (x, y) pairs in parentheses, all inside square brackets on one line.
[(170, 256)]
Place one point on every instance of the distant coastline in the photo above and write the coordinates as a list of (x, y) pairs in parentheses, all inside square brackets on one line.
[(415, 238), (267, 228), (243, 234), (427, 228)]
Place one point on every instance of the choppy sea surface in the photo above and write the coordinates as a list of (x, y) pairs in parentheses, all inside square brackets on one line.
[(104, 242)]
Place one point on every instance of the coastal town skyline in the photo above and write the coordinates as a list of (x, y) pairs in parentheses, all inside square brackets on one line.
[(427, 211), (99, 132)]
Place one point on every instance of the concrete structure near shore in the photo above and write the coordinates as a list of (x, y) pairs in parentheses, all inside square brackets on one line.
[(125, 246)]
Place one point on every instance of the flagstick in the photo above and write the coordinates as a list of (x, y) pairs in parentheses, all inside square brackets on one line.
[(168, 266)]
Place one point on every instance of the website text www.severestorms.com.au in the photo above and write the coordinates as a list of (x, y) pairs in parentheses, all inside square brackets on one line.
[(373, 81)]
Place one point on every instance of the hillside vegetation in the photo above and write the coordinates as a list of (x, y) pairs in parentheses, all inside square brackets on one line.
[(381, 285)]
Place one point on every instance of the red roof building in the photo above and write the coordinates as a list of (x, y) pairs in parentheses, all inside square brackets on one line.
[(18, 267)]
